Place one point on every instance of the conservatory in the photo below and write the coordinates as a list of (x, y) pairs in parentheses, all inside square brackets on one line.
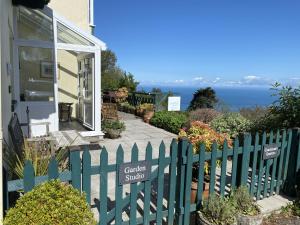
[(57, 73)]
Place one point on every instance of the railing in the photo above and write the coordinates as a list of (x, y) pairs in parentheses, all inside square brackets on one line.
[(167, 196)]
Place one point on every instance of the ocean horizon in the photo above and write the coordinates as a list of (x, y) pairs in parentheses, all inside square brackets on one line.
[(232, 98)]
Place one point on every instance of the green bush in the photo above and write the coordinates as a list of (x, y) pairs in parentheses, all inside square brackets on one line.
[(113, 125), (219, 211), (243, 202), (204, 115), (170, 121), (51, 203), (255, 113), (231, 123)]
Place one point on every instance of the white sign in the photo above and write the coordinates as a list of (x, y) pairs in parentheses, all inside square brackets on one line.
[(174, 103)]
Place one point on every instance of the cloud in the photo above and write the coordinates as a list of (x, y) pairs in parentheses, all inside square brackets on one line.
[(198, 78), (179, 81), (216, 80)]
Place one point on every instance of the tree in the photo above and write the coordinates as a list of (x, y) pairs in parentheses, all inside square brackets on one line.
[(108, 61), (203, 98), (129, 82), (111, 79)]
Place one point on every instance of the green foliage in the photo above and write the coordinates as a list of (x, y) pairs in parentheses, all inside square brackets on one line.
[(203, 115), (126, 107), (108, 61), (113, 125), (129, 82), (219, 211), (284, 112), (170, 121), (203, 98), (51, 203), (231, 123), (243, 202), (255, 113), (39, 153), (113, 77)]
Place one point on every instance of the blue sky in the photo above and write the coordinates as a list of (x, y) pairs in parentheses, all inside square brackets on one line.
[(203, 42)]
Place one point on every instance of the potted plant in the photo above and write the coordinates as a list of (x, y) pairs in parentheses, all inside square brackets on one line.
[(248, 212), (200, 133), (216, 211), (148, 112), (113, 128), (33, 4)]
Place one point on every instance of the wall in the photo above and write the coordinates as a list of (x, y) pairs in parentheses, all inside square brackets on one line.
[(76, 11), (68, 79)]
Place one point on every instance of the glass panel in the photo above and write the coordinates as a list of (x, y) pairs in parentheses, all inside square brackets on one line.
[(34, 25), (36, 74), (68, 36)]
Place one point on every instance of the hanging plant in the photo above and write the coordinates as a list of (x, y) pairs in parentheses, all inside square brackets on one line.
[(33, 4)]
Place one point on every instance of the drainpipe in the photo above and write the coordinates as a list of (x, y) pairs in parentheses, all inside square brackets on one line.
[(91, 15)]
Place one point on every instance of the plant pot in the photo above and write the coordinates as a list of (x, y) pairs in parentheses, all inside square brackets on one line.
[(194, 188), (33, 4), (201, 220), (250, 220), (113, 134), (148, 115)]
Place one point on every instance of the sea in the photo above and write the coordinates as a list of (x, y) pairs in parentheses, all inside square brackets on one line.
[(230, 98)]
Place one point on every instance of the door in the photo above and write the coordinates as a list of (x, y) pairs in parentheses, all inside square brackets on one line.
[(86, 90)]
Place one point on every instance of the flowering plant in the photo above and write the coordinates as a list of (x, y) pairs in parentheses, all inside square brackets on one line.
[(201, 133)]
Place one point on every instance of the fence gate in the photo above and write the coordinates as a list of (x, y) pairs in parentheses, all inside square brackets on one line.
[(158, 190)]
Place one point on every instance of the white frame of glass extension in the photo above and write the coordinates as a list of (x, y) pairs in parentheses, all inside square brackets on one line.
[(96, 50)]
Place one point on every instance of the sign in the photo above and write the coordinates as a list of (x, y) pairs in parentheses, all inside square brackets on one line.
[(174, 103), (270, 151), (134, 172)]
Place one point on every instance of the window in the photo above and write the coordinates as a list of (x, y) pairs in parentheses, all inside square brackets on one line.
[(36, 74), (34, 25)]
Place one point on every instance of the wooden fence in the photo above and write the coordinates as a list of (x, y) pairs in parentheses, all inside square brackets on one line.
[(166, 195)]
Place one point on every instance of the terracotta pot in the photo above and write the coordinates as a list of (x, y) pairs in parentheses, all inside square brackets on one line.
[(249, 220), (147, 116), (194, 187)]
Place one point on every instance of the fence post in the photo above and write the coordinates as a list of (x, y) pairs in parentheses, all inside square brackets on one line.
[(180, 183), (293, 164)]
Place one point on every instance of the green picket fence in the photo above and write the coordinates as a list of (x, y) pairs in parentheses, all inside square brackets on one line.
[(166, 196)]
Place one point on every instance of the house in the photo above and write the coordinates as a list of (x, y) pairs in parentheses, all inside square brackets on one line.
[(48, 57)]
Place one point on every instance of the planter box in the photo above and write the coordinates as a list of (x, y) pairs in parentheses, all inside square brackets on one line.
[(113, 134), (250, 220)]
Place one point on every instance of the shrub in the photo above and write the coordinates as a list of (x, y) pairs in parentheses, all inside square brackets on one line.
[(254, 114), (113, 125), (219, 211), (203, 98), (203, 115), (243, 202), (231, 123), (51, 203), (121, 94), (170, 121), (126, 107)]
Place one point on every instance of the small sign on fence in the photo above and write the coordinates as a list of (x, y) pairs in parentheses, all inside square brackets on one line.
[(134, 172), (270, 151)]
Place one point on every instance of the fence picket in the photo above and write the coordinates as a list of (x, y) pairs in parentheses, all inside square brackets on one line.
[(103, 187), (147, 190), (172, 181), (267, 173), (274, 166), (280, 164), (160, 185), (28, 176), (287, 156), (119, 188), (254, 164), (213, 166), (200, 175), (86, 174), (133, 188), (234, 163), (53, 169), (188, 181), (245, 159), (261, 164), (76, 169), (223, 168)]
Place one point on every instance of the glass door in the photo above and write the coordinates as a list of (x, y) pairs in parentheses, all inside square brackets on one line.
[(86, 89)]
